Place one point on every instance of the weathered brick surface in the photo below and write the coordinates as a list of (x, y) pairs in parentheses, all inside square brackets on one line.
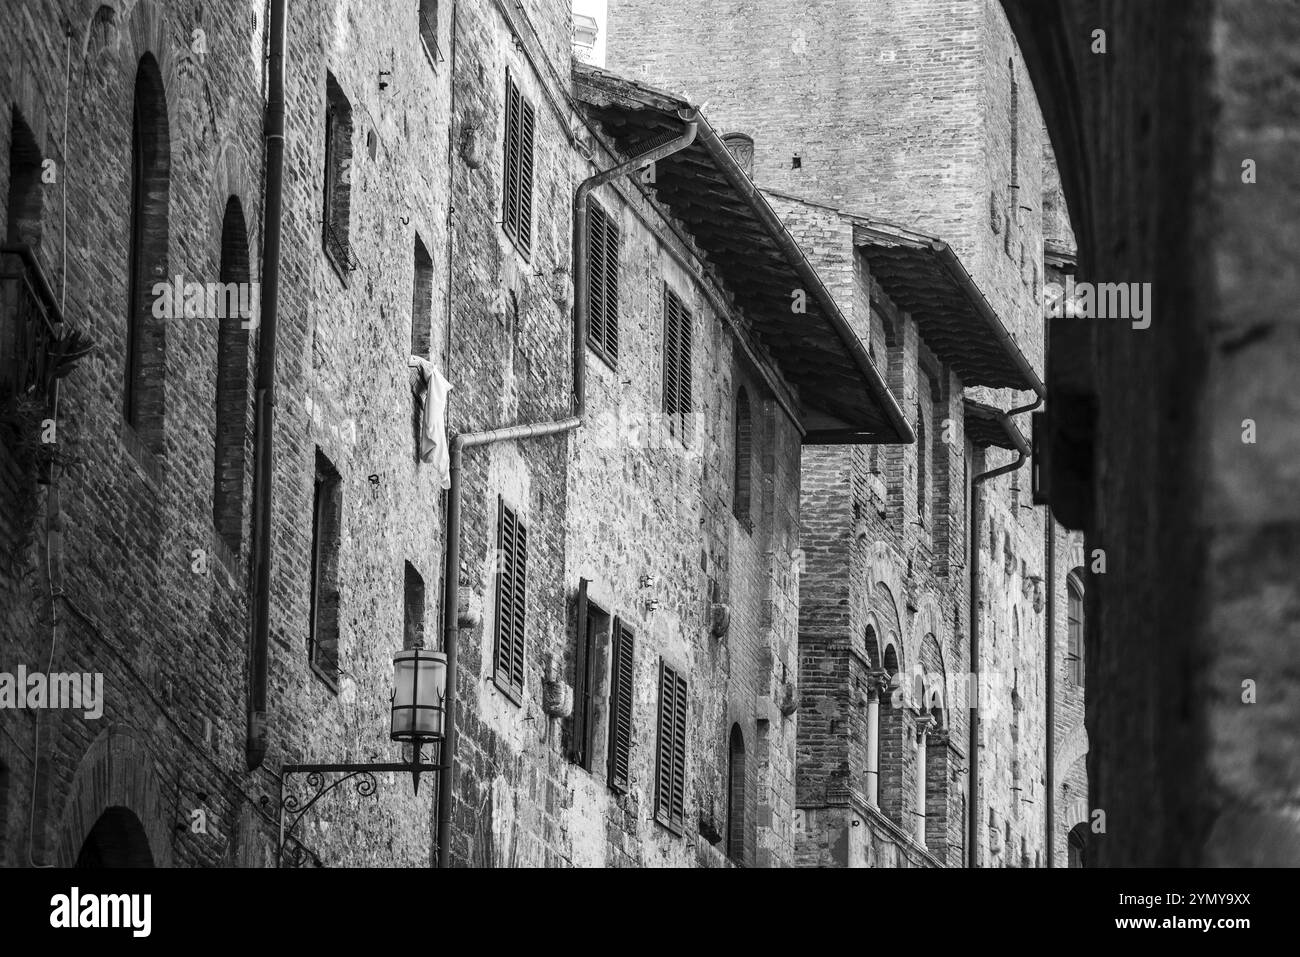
[(902, 113), (173, 644)]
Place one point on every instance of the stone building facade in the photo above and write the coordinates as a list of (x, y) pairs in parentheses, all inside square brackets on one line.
[(862, 116), (416, 223)]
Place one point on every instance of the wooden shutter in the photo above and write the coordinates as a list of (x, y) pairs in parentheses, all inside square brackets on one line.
[(602, 283), (517, 167), (512, 555), (583, 679), (677, 355), (510, 161), (620, 707), (670, 797), (527, 123)]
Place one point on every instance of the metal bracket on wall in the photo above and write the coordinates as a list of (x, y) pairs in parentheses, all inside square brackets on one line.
[(320, 782)]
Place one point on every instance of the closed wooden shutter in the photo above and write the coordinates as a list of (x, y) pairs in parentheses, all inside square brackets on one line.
[(602, 283), (512, 564), (670, 797), (517, 172), (583, 680), (620, 707), (677, 355)]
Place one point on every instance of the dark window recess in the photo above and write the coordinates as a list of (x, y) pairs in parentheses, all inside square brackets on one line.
[(26, 193), (511, 564), (517, 203), (429, 30), (150, 191), (622, 658), (584, 680), (922, 450), (736, 795), (677, 360), (602, 283), (338, 176), (413, 609), (326, 534), (744, 450), (422, 302), (232, 388), (670, 791)]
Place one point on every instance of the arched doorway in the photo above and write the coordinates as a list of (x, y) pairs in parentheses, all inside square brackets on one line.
[(1078, 845), (117, 840)]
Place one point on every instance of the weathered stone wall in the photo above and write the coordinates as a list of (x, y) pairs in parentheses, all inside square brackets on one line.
[(171, 638), (902, 113)]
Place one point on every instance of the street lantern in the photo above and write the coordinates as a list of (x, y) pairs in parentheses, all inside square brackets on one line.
[(418, 706), (419, 691)]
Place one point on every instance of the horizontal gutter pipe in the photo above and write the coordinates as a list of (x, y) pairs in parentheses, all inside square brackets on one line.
[(467, 440)]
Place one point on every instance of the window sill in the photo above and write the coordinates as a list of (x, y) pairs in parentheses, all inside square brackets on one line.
[(611, 364), (677, 830), (338, 267), (330, 681), (512, 694), (525, 253)]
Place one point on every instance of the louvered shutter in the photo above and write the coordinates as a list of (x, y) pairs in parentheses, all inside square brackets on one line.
[(602, 282), (584, 667), (677, 355), (510, 164), (527, 123), (670, 800), (512, 554), (620, 708)]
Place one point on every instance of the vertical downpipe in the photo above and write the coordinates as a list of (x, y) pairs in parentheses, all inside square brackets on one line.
[(263, 475)]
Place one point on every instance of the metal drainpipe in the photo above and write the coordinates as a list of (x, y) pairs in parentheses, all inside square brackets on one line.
[(1050, 756), (1022, 453), (465, 440), (263, 474)]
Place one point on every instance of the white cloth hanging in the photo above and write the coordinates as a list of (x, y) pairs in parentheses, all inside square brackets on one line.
[(432, 394)]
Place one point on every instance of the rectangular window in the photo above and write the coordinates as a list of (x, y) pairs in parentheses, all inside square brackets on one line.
[(429, 30), (677, 360), (326, 535), (413, 609), (338, 176), (670, 791), (511, 565), (602, 283), (517, 203), (422, 302), (620, 707)]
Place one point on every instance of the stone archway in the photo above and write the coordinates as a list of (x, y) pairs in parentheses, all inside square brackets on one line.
[(114, 810)]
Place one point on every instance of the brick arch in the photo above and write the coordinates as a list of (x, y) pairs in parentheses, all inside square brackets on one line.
[(930, 659), (231, 176), (890, 632), (927, 621), (1075, 811), (116, 771), (103, 27), (144, 29), (1074, 748)]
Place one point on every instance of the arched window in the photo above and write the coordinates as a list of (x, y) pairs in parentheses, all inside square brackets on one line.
[(744, 446), (232, 380), (1074, 636), (150, 193), (922, 489), (1077, 845), (736, 796)]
